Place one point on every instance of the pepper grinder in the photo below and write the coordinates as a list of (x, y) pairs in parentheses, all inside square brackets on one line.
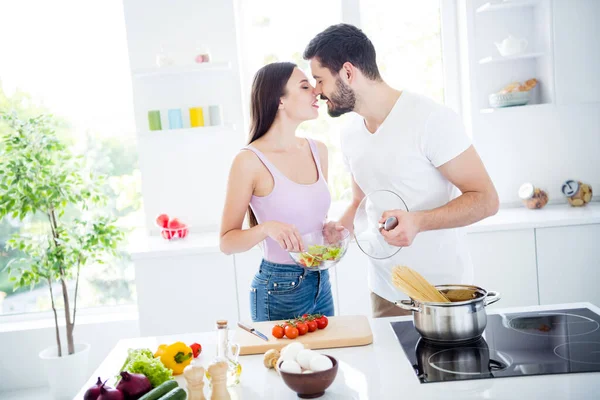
[(218, 375), (194, 378)]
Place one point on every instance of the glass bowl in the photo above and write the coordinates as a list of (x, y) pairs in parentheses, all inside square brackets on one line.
[(174, 233), (320, 252)]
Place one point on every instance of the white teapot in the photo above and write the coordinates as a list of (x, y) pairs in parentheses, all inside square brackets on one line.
[(511, 46)]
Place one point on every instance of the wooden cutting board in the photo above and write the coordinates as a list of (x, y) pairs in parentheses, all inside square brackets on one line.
[(343, 331)]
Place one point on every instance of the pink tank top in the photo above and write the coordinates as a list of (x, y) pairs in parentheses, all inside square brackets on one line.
[(304, 206)]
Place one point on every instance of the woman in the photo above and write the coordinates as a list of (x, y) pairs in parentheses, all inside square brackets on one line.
[(280, 180)]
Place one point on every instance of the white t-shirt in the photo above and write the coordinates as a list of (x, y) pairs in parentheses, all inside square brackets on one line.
[(417, 136)]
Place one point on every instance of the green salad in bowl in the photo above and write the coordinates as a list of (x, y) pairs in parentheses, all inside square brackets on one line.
[(321, 252)]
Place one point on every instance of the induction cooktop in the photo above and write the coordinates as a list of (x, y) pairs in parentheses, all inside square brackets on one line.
[(515, 344)]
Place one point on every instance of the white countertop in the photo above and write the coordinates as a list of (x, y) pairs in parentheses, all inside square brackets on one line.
[(377, 371), (549, 216), (143, 246)]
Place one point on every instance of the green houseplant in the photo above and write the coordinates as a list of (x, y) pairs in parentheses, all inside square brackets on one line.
[(42, 180)]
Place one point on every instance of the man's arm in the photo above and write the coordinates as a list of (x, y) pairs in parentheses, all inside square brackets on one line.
[(478, 200), (347, 220)]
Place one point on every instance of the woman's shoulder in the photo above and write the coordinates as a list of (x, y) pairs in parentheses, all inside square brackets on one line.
[(246, 160), (321, 147)]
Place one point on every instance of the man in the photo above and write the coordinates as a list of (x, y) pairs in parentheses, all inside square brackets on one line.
[(406, 143)]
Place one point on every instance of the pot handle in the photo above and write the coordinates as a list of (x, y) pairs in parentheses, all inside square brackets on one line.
[(491, 298), (407, 305)]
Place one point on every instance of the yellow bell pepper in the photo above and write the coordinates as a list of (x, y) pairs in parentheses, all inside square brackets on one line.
[(176, 356), (160, 351)]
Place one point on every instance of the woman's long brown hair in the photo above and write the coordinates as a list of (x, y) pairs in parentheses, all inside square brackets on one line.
[(267, 88)]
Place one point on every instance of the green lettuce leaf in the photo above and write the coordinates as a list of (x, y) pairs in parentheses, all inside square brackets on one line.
[(142, 361)]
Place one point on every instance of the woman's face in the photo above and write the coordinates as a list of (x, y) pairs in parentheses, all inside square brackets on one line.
[(300, 101)]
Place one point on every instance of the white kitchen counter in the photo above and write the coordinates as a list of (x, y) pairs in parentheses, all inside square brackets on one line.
[(143, 246), (378, 371), (550, 216)]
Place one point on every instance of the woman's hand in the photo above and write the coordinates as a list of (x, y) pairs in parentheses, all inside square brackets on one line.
[(332, 232), (286, 235)]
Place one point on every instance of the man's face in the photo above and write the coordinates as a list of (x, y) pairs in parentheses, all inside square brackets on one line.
[(340, 97)]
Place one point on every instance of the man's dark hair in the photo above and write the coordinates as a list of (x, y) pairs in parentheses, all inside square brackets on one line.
[(344, 43)]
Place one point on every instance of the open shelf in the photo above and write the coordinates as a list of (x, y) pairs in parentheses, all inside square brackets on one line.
[(187, 131), (500, 59), (515, 108), (181, 70), (505, 5)]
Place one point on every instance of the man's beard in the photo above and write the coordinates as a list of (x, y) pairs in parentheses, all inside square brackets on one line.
[(341, 101)]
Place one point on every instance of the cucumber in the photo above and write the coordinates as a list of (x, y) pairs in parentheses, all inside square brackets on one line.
[(175, 394), (160, 390)]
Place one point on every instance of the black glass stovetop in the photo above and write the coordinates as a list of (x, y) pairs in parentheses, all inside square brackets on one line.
[(517, 344)]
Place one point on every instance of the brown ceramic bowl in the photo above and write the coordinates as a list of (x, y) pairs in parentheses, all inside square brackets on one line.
[(311, 386)]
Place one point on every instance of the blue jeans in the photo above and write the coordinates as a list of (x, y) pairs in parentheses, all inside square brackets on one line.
[(283, 291)]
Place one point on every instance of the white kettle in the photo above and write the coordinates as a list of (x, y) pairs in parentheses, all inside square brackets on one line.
[(511, 46)]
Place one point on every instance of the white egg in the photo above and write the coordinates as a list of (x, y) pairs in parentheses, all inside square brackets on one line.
[(304, 357), (289, 352), (320, 363), (291, 367), (308, 371)]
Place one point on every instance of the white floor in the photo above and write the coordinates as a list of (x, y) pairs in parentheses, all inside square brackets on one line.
[(27, 394)]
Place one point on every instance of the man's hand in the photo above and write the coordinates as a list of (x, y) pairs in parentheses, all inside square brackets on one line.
[(406, 230), (332, 232)]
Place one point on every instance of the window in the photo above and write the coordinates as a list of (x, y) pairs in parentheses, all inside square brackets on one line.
[(272, 32), (407, 38), (406, 35), (69, 58)]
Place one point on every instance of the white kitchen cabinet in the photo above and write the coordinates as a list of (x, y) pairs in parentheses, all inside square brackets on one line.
[(568, 261), (246, 265), (352, 283), (505, 261), (185, 293), (577, 65)]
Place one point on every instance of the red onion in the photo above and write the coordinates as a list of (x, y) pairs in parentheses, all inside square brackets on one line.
[(110, 394), (94, 391), (134, 386)]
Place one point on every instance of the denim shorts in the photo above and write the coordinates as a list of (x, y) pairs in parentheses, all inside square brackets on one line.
[(284, 291)]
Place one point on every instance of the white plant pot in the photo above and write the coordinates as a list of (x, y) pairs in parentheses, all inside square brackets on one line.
[(68, 373)]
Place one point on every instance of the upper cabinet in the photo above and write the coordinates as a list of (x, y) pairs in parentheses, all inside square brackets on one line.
[(577, 51), (508, 43)]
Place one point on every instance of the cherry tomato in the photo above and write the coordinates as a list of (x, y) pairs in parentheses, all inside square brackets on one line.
[(291, 332), (312, 325), (277, 331), (304, 316), (322, 322), (302, 328)]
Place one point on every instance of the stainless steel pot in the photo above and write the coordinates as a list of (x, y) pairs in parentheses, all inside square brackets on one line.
[(451, 322), (436, 362)]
